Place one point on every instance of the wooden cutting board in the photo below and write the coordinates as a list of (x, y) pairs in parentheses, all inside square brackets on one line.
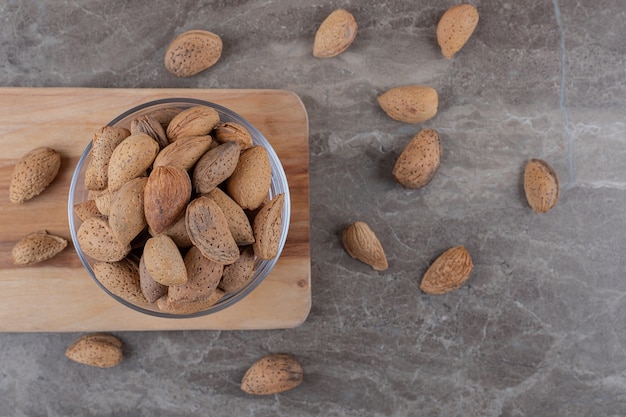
[(58, 295)]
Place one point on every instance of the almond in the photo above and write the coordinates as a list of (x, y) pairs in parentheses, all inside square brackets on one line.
[(103, 202), (238, 221), (233, 132), (410, 103), (96, 239), (165, 115), (33, 173), (272, 374), (335, 34), (419, 160), (455, 28), (361, 243), (130, 159), (184, 153), (166, 195), (267, 228), (448, 272), (194, 121), (37, 247), (251, 179), (186, 306), (178, 233), (541, 185), (150, 288), (126, 211), (151, 127), (203, 276), (163, 261), (192, 52), (208, 230), (99, 349), (104, 142), (215, 166), (237, 275), (122, 279), (86, 209)]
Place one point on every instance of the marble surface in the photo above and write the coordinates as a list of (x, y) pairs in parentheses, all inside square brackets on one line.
[(538, 330)]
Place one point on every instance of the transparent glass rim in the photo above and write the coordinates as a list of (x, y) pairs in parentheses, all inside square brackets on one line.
[(279, 185)]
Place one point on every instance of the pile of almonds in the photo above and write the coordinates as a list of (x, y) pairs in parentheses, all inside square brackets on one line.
[(177, 212)]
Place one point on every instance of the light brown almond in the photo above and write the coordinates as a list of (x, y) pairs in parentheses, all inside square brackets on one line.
[(267, 228), (362, 244), (98, 349), (178, 233), (238, 221), (185, 306), (410, 103), (455, 28), (208, 230), (37, 247), (448, 272), (233, 132), (251, 179), (130, 159), (103, 202), (104, 141), (541, 185), (192, 52), (96, 239), (33, 173), (184, 153), (164, 261), (121, 278), (335, 34), (165, 115), (194, 121), (151, 127), (150, 288), (419, 160), (86, 209), (166, 195), (215, 166), (273, 374), (237, 275), (203, 276), (126, 211)]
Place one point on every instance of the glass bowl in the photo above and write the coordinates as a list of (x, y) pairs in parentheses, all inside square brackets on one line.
[(78, 193)]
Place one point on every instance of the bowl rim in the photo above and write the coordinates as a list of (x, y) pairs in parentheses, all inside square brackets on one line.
[(278, 175)]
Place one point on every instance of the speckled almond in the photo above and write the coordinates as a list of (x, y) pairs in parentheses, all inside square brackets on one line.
[(165, 115), (215, 166), (178, 233), (184, 153), (186, 306), (86, 209), (541, 185), (203, 276), (126, 212), (33, 173), (37, 247), (237, 275), (410, 103), (272, 374), (150, 288), (449, 272), (335, 34), (233, 132), (238, 221), (361, 243), (267, 228), (103, 202), (151, 127), (194, 121), (96, 239), (455, 28), (122, 279), (208, 230), (419, 160), (164, 261), (104, 141), (192, 52), (130, 159), (98, 349), (251, 179), (166, 195)]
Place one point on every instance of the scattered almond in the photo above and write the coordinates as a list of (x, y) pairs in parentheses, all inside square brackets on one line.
[(410, 103), (541, 185), (33, 173), (362, 244), (419, 160), (272, 374), (448, 272), (192, 52), (99, 349), (455, 28), (335, 34), (37, 247)]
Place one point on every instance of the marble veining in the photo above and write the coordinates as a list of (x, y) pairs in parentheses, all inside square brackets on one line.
[(539, 328)]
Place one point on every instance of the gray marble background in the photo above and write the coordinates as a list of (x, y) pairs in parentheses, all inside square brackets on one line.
[(539, 330)]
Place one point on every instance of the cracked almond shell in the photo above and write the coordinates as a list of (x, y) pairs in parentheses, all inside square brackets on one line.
[(362, 244), (449, 272), (541, 185)]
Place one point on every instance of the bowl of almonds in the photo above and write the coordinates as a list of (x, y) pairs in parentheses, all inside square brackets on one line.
[(179, 208)]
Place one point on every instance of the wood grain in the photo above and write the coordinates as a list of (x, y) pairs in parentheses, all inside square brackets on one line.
[(59, 295)]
